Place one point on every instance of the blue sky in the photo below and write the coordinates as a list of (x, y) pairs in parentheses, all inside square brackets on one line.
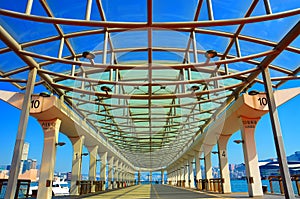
[(289, 114)]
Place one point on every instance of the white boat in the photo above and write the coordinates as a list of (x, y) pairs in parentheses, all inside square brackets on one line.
[(59, 188)]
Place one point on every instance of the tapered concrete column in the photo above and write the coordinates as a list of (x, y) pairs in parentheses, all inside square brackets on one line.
[(198, 167), (182, 169), (121, 175), (191, 172), (186, 173), (116, 173), (251, 160), (139, 177), (178, 175), (223, 161), (93, 150), (208, 168), (110, 172), (163, 177), (150, 177), (77, 143), (103, 157), (125, 176), (20, 139), (51, 130)]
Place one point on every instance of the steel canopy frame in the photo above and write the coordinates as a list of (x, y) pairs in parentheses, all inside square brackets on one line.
[(151, 92)]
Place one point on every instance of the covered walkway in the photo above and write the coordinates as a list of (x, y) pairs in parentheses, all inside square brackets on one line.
[(159, 191)]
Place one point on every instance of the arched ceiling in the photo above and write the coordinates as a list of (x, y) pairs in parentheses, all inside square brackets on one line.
[(149, 80)]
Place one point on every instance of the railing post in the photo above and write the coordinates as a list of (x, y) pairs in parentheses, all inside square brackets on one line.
[(271, 184), (281, 185)]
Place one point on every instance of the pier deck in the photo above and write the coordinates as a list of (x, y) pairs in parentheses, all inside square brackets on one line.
[(165, 192)]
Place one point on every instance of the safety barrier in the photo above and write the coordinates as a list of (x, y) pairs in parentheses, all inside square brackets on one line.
[(84, 186), (215, 185), (202, 184), (22, 190), (98, 185), (278, 179)]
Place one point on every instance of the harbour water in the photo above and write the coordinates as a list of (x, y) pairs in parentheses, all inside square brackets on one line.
[(241, 186)]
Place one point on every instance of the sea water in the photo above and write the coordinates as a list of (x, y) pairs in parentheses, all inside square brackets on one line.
[(241, 186)]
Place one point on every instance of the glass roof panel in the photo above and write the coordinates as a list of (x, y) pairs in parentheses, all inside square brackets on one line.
[(128, 11), (279, 6), (283, 26), (234, 9), (14, 5), (288, 60), (148, 94), (167, 11), (10, 61), (95, 44), (25, 31), (76, 11)]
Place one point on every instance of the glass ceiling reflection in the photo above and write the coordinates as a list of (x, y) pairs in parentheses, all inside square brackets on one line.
[(151, 87)]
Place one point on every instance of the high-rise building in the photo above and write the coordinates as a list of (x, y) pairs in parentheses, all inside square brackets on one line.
[(24, 156), (33, 164)]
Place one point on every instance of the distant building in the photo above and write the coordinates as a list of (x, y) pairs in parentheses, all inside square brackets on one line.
[(4, 174), (69, 176), (24, 156), (29, 164)]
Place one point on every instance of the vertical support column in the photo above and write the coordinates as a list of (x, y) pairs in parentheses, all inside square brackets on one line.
[(18, 149), (51, 130), (162, 177), (103, 157), (250, 156), (198, 168), (182, 174), (223, 162), (150, 177), (77, 143), (139, 177), (191, 171), (121, 175), (124, 176), (110, 172), (186, 172), (178, 175), (208, 168), (282, 160), (116, 174), (93, 165)]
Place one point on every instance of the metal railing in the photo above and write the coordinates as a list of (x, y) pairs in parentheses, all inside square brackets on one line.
[(98, 185), (295, 178), (215, 185), (84, 186), (22, 190), (202, 184)]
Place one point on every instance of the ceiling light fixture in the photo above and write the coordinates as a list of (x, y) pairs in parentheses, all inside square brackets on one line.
[(253, 92), (88, 55), (106, 89), (211, 54)]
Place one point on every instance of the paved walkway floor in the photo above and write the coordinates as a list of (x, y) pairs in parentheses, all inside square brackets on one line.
[(165, 192)]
